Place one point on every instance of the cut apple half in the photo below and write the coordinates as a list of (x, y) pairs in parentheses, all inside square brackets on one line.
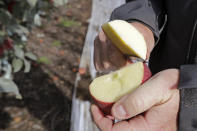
[(109, 88), (126, 37)]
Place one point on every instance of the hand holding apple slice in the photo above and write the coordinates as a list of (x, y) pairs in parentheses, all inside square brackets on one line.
[(130, 40), (107, 89), (126, 37)]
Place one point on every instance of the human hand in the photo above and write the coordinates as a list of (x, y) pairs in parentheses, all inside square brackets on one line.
[(151, 107), (109, 58)]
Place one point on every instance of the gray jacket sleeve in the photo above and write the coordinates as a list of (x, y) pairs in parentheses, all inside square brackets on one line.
[(149, 12), (188, 98)]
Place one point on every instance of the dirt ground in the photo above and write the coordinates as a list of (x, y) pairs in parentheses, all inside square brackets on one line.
[(47, 89)]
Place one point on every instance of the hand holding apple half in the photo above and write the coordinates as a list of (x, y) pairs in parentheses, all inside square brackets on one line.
[(107, 89)]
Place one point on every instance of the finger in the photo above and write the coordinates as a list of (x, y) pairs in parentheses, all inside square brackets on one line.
[(155, 91), (106, 55), (97, 58), (158, 118), (110, 117), (165, 115), (103, 123), (102, 37), (137, 123), (116, 57), (101, 58), (110, 54), (122, 126)]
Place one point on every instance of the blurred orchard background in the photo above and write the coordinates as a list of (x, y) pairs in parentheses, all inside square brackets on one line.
[(41, 42)]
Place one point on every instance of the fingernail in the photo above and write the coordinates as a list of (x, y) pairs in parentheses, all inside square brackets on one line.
[(120, 111)]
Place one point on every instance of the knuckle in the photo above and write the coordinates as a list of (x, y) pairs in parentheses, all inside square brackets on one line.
[(137, 105), (106, 65), (102, 37)]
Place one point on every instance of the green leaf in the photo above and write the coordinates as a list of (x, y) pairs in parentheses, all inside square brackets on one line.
[(18, 29), (59, 2), (8, 86), (2, 3), (31, 56), (2, 33), (56, 43), (24, 29), (1, 39), (44, 60), (68, 23), (5, 17), (18, 52), (32, 3), (17, 64), (27, 66)]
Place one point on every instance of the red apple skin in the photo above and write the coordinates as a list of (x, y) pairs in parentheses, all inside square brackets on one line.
[(105, 107), (147, 73)]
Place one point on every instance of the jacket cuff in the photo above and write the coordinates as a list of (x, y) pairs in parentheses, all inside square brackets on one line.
[(138, 10), (188, 98)]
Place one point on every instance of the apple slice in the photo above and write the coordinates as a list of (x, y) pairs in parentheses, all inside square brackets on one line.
[(109, 88), (126, 37)]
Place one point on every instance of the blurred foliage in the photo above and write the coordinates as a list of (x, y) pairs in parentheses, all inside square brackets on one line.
[(17, 17), (68, 23), (44, 60), (57, 43)]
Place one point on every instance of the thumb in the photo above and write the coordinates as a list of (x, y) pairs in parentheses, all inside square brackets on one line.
[(155, 91)]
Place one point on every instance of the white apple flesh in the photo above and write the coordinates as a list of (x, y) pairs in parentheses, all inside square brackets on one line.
[(109, 88), (126, 37)]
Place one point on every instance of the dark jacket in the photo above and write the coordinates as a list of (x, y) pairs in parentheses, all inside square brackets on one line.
[(174, 24)]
